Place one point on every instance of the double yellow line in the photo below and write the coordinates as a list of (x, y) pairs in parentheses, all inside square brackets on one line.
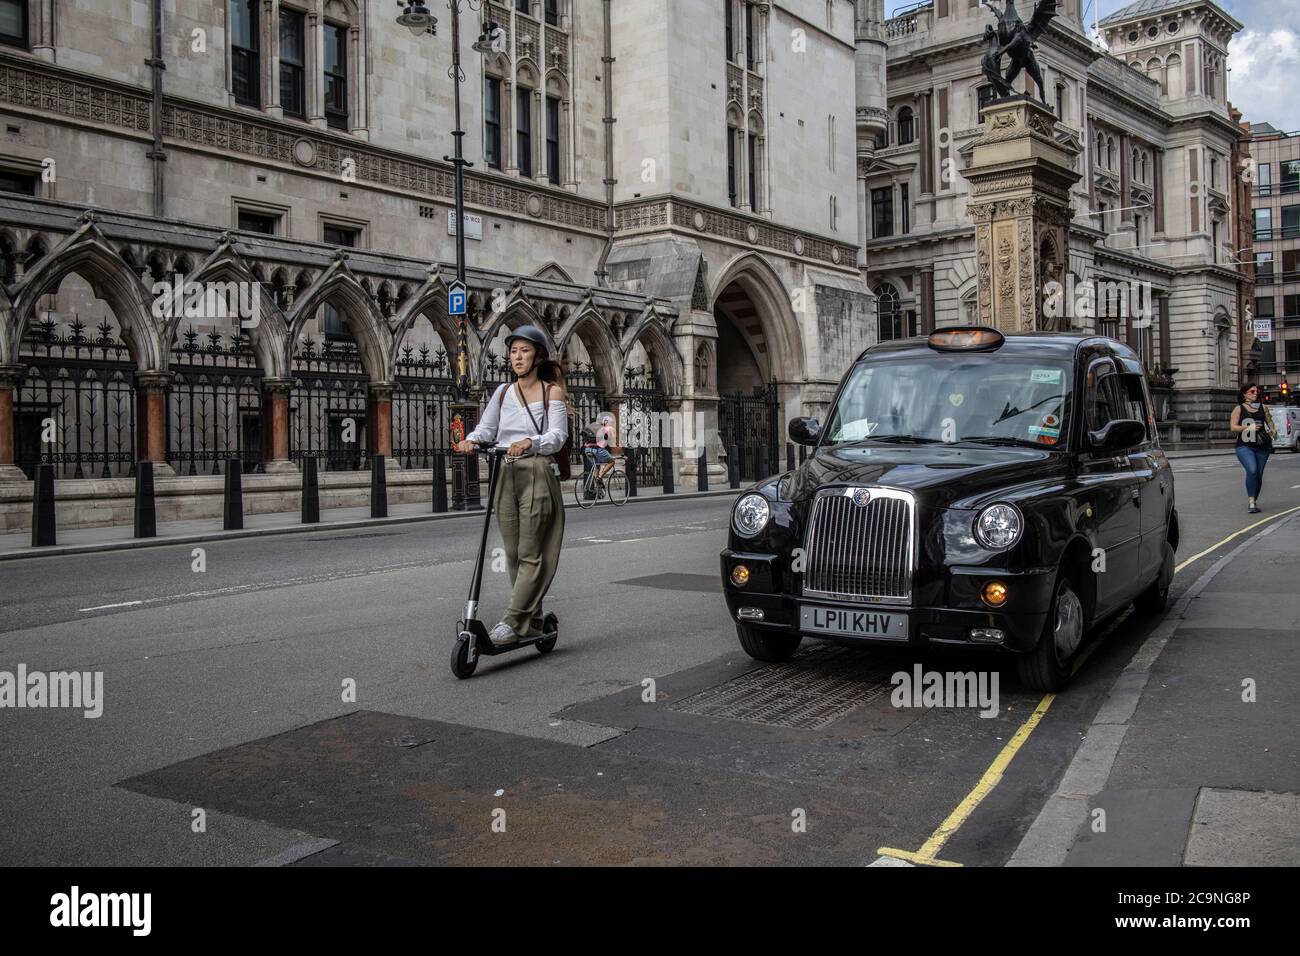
[(928, 854)]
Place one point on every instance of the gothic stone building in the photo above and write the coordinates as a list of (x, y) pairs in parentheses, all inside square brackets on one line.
[(1153, 209), (669, 190)]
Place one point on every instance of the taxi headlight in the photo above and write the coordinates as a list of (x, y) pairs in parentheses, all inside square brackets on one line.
[(750, 515), (998, 527)]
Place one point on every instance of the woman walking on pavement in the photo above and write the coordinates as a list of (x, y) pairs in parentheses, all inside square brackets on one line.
[(1254, 430), (531, 419)]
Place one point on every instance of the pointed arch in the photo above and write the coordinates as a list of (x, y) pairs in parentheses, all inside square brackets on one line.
[(338, 286), (785, 350), (553, 270), (668, 363), (270, 337), (517, 311), (594, 332), (87, 253)]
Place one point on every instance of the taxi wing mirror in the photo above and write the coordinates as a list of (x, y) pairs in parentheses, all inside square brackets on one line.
[(805, 431), (1117, 435)]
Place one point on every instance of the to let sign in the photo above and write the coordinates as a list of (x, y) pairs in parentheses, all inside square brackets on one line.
[(1264, 330)]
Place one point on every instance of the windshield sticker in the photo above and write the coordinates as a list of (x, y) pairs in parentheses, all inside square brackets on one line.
[(1045, 376), (1051, 421), (956, 399), (1044, 431), (857, 430)]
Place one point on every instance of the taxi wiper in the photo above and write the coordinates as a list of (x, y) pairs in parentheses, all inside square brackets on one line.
[(905, 439), (1004, 440)]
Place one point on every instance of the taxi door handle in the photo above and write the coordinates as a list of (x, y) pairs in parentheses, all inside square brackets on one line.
[(1137, 497)]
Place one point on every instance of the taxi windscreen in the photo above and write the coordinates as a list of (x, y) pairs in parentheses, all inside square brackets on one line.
[(951, 398)]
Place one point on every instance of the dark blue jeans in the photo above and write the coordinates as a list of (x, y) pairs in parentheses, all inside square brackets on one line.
[(1253, 459)]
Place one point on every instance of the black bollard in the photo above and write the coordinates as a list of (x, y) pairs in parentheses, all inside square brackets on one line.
[(439, 483), (702, 473), (233, 513), (146, 515), (310, 492), (789, 456), (473, 492), (43, 534), (378, 488), (733, 465), (633, 459), (760, 463), (667, 462)]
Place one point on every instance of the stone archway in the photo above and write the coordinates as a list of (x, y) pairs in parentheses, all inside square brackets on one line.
[(758, 352)]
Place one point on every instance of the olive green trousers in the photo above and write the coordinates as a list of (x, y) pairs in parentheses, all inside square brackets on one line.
[(530, 513)]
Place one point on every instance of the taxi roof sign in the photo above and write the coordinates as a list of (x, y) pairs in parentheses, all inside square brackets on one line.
[(977, 338)]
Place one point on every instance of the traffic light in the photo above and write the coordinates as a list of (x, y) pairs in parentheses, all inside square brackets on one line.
[(1285, 389)]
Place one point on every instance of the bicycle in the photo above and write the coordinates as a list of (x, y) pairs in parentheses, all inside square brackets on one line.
[(589, 488)]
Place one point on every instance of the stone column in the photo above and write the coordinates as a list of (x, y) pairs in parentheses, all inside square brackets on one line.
[(275, 426), (1020, 180), (151, 390), (379, 422), (927, 299), (10, 376)]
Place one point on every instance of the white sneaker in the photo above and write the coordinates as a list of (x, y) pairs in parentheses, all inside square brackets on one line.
[(503, 634)]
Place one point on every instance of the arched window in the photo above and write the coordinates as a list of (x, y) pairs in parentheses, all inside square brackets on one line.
[(1136, 165), (1174, 75), (1156, 71), (1222, 351), (1110, 152), (702, 382), (889, 313), (1144, 167), (1101, 150), (906, 131), (556, 120)]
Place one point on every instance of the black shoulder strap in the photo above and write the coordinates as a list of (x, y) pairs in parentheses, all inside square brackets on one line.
[(523, 400)]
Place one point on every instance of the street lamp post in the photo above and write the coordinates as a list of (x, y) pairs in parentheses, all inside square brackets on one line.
[(417, 18)]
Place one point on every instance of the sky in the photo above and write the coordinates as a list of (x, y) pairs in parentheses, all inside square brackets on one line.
[(1264, 58)]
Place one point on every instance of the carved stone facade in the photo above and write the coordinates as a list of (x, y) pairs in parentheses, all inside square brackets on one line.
[(1023, 178)]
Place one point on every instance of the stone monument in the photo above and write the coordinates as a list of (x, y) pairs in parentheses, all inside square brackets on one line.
[(1020, 177)]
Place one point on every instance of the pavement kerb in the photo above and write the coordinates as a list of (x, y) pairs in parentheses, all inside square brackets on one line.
[(205, 536), (1050, 836)]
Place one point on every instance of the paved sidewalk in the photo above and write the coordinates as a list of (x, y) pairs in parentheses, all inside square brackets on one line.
[(18, 544), (1194, 759)]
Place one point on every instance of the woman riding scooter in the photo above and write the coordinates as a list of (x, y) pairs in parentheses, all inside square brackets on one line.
[(531, 419)]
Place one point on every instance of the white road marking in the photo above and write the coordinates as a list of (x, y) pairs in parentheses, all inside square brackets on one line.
[(266, 585), (630, 540)]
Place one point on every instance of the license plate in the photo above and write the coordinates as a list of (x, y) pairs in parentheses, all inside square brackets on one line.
[(851, 622)]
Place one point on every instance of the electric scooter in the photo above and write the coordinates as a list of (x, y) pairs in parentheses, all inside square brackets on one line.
[(471, 635)]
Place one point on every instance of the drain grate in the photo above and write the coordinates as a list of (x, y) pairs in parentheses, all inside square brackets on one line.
[(807, 693)]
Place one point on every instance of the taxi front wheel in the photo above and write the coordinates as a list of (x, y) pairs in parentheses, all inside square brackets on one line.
[(772, 648), (1047, 667)]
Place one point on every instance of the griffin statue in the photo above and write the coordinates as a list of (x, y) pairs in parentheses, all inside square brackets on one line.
[(1015, 39)]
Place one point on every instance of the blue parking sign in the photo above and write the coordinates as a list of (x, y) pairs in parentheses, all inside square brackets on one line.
[(456, 299)]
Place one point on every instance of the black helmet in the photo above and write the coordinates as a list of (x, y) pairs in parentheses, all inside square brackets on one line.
[(533, 335)]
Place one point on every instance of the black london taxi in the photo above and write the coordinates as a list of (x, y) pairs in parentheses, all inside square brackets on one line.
[(969, 490)]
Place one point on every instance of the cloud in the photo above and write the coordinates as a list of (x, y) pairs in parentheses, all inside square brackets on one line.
[(1265, 64)]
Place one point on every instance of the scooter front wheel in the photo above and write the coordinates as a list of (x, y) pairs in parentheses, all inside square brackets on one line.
[(461, 665), (551, 628)]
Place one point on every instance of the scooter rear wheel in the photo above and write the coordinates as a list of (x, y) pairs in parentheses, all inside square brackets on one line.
[(461, 665), (550, 627)]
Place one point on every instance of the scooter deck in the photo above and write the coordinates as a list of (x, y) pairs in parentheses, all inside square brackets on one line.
[(483, 644)]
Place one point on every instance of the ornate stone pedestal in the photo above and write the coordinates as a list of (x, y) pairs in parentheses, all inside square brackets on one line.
[(1020, 179)]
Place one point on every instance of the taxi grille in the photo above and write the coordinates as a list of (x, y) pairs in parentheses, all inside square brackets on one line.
[(860, 552)]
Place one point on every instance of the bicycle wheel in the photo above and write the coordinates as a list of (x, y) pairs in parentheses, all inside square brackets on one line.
[(616, 486), (580, 495)]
